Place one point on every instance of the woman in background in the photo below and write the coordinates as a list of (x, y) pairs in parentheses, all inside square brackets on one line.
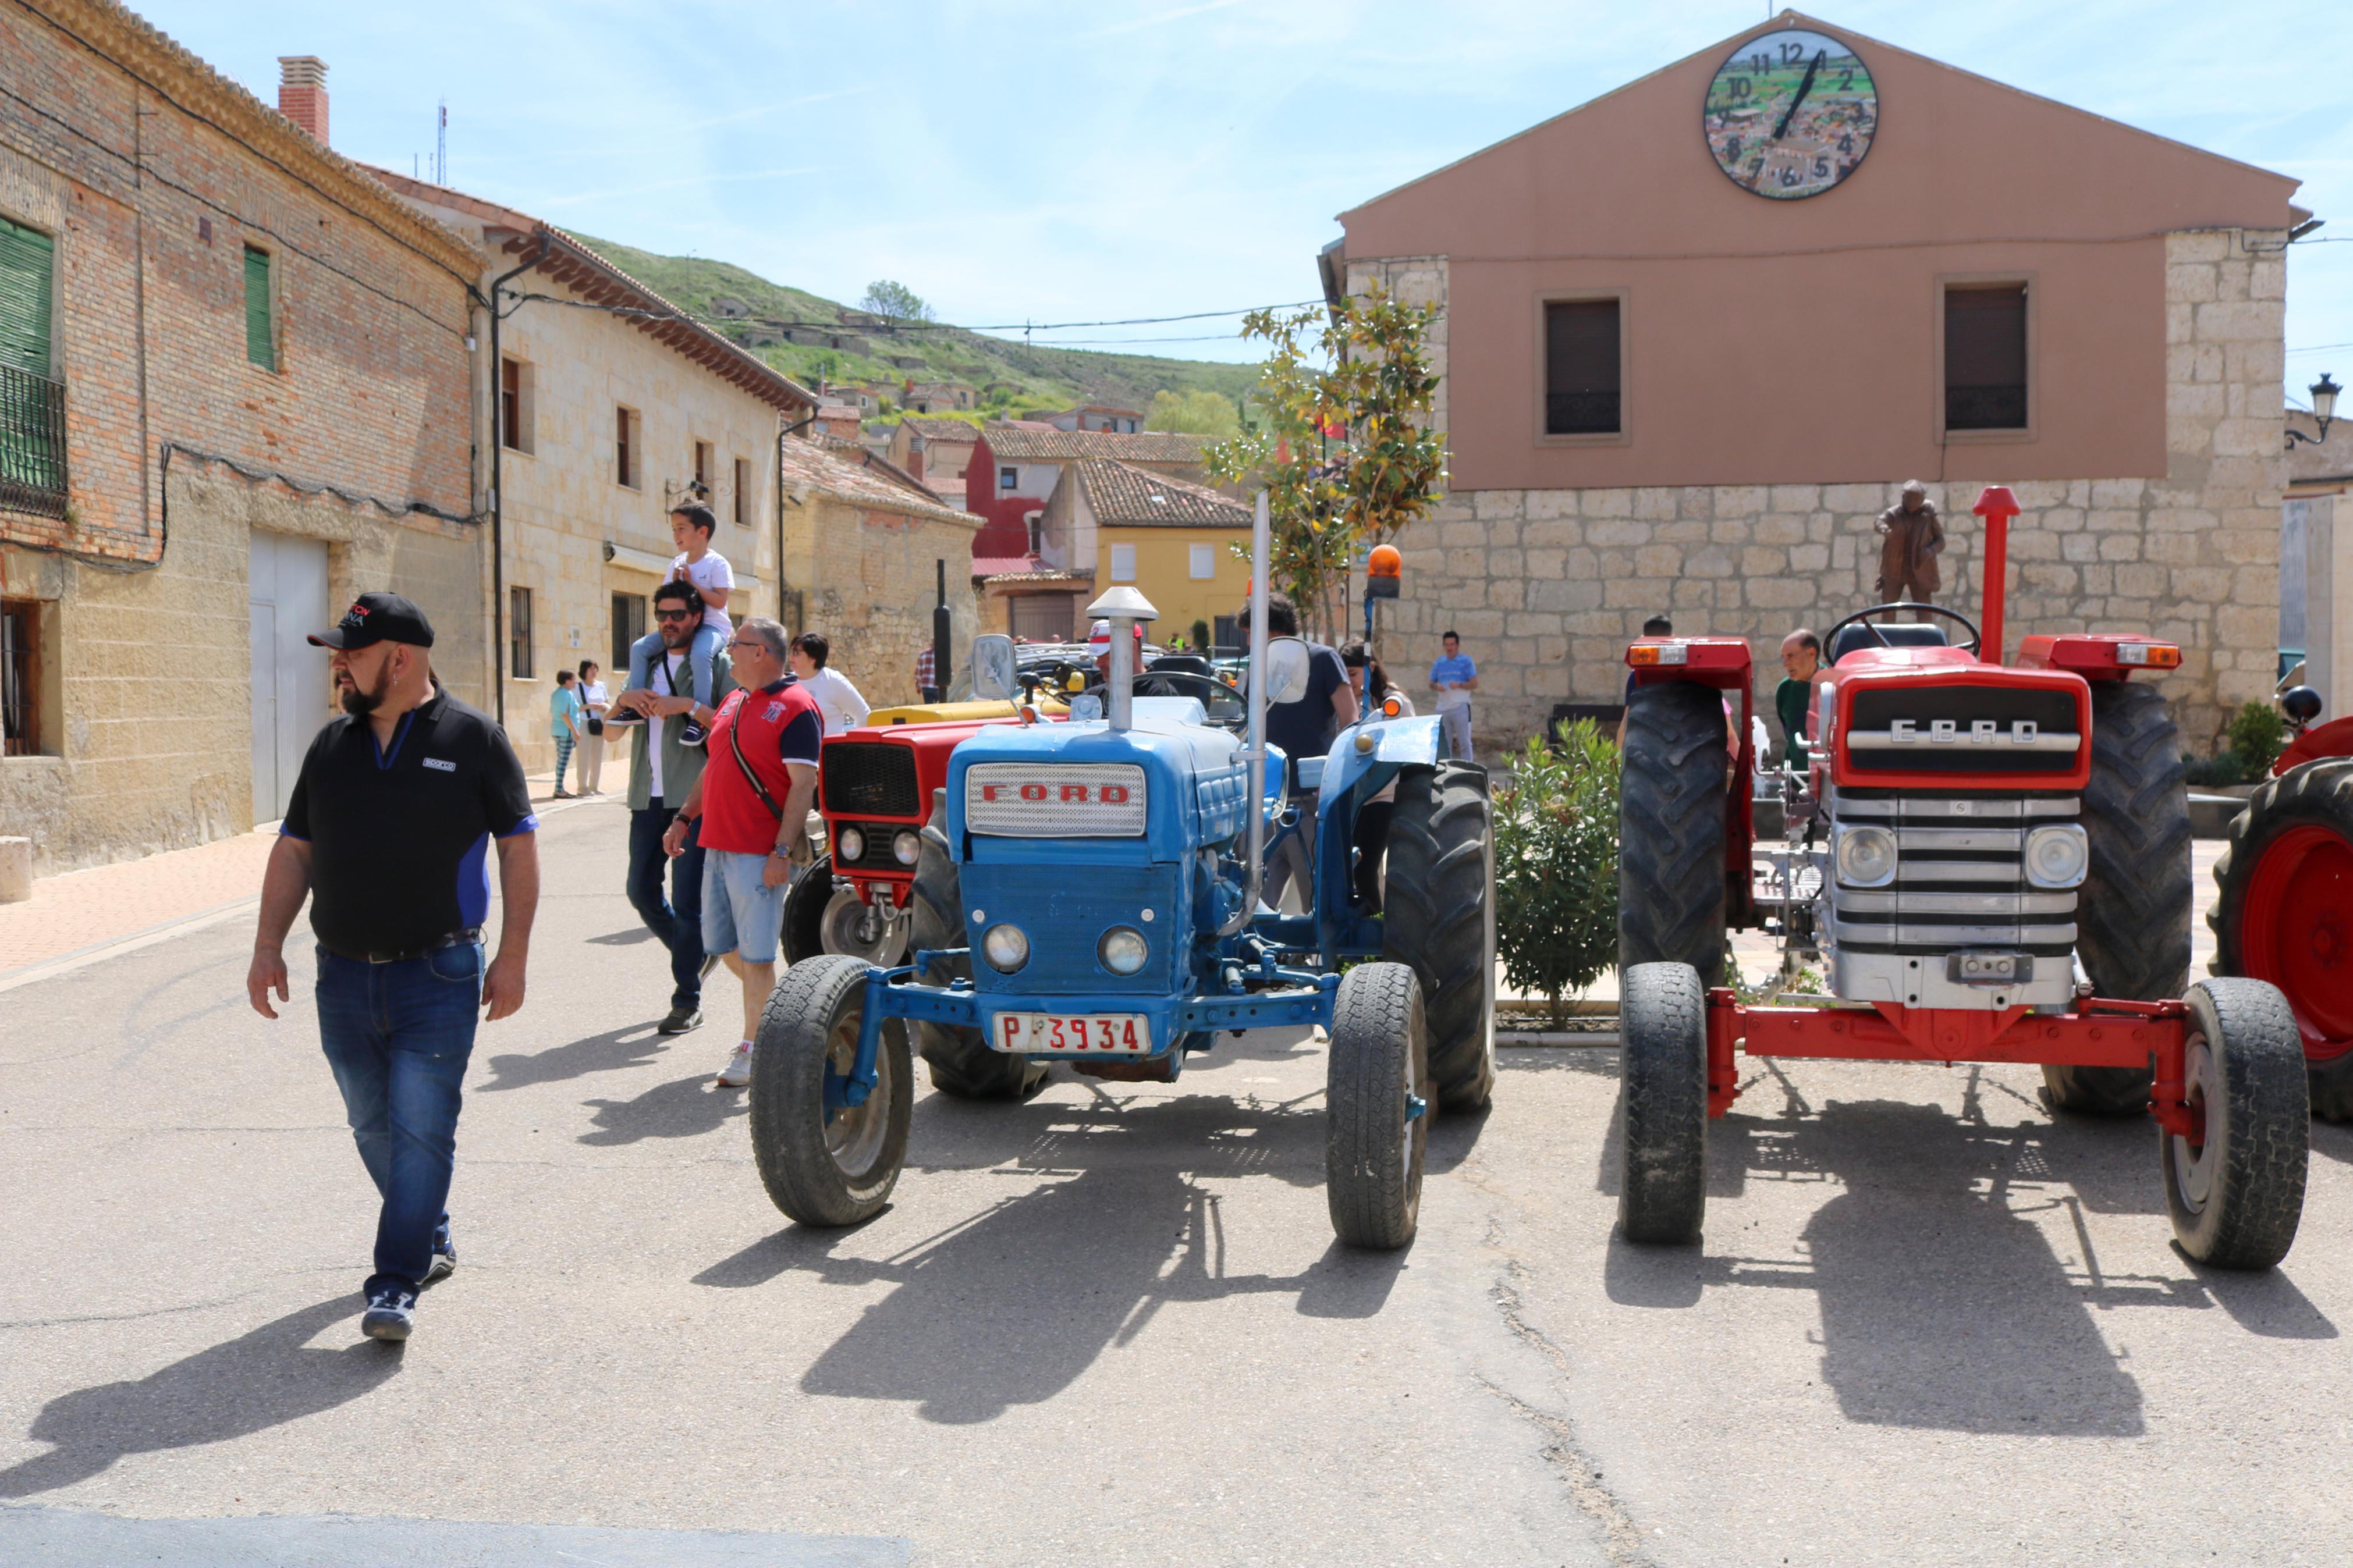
[(594, 701)]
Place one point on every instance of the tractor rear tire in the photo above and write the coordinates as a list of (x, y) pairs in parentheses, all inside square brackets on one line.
[(961, 1062), (2285, 914), (803, 932), (1440, 921), (1663, 1103), (1672, 887), (824, 1164), (2132, 915), (2237, 1197), (1374, 1135)]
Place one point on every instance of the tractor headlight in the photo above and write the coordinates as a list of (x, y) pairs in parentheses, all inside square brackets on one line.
[(1866, 857), (2057, 855), (1005, 947), (850, 844), (1123, 950), (905, 847)]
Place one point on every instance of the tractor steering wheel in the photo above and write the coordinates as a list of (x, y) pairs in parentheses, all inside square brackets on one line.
[(1829, 638)]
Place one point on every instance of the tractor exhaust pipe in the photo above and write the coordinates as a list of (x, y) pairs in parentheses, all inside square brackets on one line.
[(1997, 505), (1255, 753)]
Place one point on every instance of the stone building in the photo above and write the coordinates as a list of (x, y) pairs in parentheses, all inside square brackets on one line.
[(233, 370), (2316, 558), (1682, 377), (603, 417), (936, 451), (865, 549)]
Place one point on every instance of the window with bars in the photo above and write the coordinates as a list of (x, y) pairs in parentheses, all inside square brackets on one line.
[(629, 626), (260, 318), (625, 447), (1985, 356), (743, 493), (1582, 368), (519, 633)]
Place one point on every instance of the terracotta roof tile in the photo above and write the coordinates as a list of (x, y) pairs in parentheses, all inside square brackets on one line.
[(1122, 495), (873, 484), (954, 431), (1145, 446)]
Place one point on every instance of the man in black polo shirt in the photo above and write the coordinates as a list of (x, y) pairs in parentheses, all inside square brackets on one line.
[(389, 830)]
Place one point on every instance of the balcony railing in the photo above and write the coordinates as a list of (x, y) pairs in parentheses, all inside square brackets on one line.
[(32, 443), (1581, 414)]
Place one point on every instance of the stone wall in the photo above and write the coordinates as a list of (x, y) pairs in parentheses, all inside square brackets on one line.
[(1547, 586), (867, 581)]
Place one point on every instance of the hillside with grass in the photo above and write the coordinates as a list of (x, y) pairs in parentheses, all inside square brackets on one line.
[(794, 330)]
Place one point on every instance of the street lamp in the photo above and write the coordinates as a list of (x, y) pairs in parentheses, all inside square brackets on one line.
[(2324, 412)]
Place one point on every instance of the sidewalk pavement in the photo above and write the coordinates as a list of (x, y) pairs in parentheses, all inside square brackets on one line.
[(78, 914)]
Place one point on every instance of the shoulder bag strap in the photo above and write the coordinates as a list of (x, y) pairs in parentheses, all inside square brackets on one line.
[(736, 744)]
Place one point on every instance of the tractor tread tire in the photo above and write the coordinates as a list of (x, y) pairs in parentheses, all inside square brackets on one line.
[(1663, 1104), (2317, 794), (1437, 922), (1373, 1146), (960, 1063), (2132, 914), (788, 1098), (1673, 903), (2256, 1202), (802, 935)]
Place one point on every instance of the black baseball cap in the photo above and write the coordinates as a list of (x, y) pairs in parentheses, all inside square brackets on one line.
[(377, 618)]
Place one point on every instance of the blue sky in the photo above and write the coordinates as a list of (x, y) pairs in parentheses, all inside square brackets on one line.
[(1059, 162)]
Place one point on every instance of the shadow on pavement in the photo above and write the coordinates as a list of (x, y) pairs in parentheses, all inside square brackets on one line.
[(631, 1046), (258, 1380), (1011, 1305), (684, 1107), (628, 938)]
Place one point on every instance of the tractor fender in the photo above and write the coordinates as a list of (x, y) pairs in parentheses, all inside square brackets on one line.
[(2334, 739), (1396, 744)]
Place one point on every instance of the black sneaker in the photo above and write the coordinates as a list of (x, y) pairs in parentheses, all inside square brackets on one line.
[(691, 735), (391, 1312), (444, 1264), (679, 1021)]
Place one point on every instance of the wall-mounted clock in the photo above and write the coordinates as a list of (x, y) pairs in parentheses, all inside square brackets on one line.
[(1790, 114)]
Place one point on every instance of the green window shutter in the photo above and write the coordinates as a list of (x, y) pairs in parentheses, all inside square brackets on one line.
[(27, 257), (260, 344)]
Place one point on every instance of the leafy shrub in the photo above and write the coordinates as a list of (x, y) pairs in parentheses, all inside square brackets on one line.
[(2258, 734), (2222, 768), (1557, 864)]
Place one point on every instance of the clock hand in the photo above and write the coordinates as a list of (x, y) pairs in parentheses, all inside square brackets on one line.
[(1804, 87)]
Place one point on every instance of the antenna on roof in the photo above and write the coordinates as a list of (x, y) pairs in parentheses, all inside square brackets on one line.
[(441, 146)]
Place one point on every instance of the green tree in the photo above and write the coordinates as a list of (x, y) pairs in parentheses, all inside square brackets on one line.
[(884, 298), (1343, 447), (1557, 864), (1197, 413)]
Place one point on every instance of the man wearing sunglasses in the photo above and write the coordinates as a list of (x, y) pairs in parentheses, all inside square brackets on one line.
[(664, 769)]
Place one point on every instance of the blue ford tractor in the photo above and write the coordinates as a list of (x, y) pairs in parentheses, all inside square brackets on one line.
[(1089, 892)]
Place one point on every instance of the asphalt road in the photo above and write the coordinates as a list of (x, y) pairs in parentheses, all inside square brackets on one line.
[(1929, 1325)]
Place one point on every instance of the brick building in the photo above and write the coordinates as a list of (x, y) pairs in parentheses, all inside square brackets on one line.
[(1684, 367), (602, 420), (233, 370)]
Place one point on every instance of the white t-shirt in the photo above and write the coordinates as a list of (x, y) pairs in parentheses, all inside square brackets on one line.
[(675, 665), (593, 695), (836, 700), (710, 572)]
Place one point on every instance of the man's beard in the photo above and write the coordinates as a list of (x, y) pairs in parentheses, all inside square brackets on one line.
[(360, 704)]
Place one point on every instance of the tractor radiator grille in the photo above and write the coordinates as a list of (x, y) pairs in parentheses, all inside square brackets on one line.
[(1965, 730), (1960, 881), (870, 779)]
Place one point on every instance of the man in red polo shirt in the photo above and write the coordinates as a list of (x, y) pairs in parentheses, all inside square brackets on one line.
[(753, 801)]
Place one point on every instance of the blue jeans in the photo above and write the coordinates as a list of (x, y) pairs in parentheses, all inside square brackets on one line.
[(676, 921), (397, 1036), (702, 662)]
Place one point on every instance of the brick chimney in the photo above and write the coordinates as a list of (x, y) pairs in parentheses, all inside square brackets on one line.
[(303, 92)]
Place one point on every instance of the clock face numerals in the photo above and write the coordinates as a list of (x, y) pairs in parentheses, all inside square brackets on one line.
[(1790, 114)]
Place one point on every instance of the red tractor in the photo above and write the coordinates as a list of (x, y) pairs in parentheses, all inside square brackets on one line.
[(1991, 863), (2286, 908)]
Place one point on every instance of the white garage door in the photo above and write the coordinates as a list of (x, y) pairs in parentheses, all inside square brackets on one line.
[(287, 595)]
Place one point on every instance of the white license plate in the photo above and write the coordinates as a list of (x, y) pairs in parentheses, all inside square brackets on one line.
[(1074, 1034)]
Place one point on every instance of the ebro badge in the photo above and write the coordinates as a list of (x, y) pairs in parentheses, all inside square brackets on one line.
[(2020, 735), (1054, 800)]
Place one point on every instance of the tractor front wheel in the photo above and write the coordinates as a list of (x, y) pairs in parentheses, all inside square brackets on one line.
[(2132, 915), (961, 1062), (1376, 1107), (1672, 885), (1663, 1103), (2285, 914), (2235, 1188), (825, 1162), (1440, 921)]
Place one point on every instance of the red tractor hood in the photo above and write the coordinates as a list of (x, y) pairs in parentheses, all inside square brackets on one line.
[(1937, 719)]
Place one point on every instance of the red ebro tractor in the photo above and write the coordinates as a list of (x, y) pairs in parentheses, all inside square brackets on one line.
[(2286, 908), (1991, 862)]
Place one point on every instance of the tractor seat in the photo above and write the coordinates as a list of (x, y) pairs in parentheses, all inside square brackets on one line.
[(1907, 634)]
